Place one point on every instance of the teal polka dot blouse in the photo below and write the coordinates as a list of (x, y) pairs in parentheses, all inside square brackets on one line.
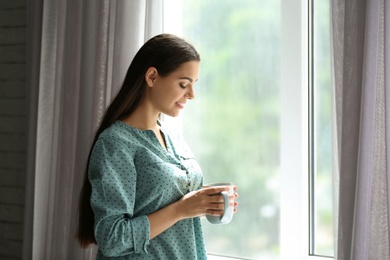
[(132, 175)]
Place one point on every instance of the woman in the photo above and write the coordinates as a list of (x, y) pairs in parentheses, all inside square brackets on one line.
[(143, 196)]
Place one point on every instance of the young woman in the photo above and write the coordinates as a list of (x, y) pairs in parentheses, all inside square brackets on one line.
[(142, 195)]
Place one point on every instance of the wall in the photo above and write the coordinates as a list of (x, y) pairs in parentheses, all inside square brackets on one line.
[(13, 122)]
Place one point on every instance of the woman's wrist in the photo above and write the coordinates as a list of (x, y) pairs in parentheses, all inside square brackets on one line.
[(164, 218), (176, 211)]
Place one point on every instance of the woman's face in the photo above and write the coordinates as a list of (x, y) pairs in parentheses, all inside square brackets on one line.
[(169, 94)]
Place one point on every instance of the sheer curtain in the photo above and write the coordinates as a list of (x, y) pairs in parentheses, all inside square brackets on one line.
[(361, 44), (79, 52)]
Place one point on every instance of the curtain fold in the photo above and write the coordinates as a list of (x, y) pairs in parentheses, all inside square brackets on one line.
[(362, 117), (79, 54)]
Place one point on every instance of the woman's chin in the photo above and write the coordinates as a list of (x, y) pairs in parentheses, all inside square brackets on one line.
[(173, 114)]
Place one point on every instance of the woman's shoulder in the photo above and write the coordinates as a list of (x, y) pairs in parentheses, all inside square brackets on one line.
[(119, 132), (117, 139)]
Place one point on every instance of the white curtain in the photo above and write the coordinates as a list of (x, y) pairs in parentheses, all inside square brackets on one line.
[(361, 55), (79, 52)]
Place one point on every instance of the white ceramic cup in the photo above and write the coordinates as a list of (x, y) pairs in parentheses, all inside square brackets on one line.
[(228, 207)]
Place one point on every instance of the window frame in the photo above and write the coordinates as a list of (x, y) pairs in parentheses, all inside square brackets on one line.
[(294, 217), (297, 176)]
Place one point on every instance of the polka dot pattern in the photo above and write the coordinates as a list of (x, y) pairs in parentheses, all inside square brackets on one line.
[(132, 175)]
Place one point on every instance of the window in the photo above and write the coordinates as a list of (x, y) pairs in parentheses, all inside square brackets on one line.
[(249, 123)]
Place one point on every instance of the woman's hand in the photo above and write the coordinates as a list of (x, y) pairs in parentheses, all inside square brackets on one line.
[(193, 204), (205, 201)]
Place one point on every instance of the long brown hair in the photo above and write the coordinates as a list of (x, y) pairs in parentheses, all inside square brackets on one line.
[(166, 53)]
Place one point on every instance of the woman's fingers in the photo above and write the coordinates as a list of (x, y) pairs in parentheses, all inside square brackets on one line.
[(215, 199), (214, 212), (214, 189), (207, 200)]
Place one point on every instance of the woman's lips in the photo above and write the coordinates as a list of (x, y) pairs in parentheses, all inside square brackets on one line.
[(180, 105)]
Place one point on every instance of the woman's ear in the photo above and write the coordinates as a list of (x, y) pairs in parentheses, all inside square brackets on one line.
[(150, 76)]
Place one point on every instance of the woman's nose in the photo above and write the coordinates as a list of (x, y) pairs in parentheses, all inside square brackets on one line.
[(190, 93)]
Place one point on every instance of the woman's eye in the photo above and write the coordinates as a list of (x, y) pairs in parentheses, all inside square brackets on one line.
[(182, 85)]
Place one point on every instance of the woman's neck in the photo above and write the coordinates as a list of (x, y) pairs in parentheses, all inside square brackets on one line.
[(142, 119)]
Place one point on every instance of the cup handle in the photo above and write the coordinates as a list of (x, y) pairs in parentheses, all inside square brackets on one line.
[(225, 195)]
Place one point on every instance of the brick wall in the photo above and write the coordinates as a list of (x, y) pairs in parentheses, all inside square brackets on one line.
[(13, 122)]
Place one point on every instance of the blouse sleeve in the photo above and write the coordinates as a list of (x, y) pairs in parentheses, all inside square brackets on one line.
[(113, 178)]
